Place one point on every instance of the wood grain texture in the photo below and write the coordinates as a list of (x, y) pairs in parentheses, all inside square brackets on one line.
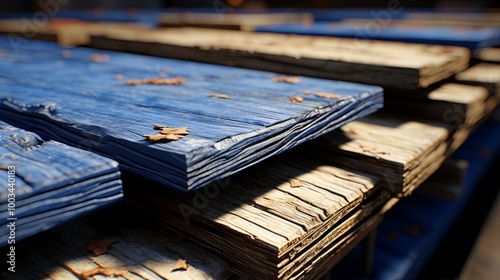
[(143, 249), (403, 151), (410, 66), (285, 232), (81, 103), (45, 183)]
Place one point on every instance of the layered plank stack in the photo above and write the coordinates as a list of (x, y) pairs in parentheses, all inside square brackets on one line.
[(46, 183), (291, 217), (116, 241), (229, 125)]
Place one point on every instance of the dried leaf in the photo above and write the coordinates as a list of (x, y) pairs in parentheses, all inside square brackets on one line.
[(163, 137), (99, 247), (110, 271), (118, 77), (296, 99), (218, 95), (307, 92), (295, 183), (180, 265), (287, 79), (157, 81), (174, 130), (328, 95)]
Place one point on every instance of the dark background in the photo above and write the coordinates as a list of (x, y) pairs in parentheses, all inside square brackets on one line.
[(34, 5)]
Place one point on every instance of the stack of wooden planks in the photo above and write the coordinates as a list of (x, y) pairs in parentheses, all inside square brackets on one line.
[(290, 217), (185, 129), (46, 183), (114, 242)]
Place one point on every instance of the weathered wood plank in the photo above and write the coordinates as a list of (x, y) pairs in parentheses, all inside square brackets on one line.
[(80, 103), (335, 58), (45, 183)]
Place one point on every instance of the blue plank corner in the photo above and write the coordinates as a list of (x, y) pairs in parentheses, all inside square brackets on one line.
[(415, 226)]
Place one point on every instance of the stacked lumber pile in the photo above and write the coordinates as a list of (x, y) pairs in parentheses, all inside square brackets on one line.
[(46, 183), (285, 218), (115, 243), (184, 129)]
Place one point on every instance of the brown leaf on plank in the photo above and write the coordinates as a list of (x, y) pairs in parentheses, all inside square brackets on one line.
[(174, 130), (296, 99), (287, 79), (218, 95), (159, 127), (328, 95), (295, 183), (99, 247), (157, 81), (180, 265), (163, 137), (108, 271)]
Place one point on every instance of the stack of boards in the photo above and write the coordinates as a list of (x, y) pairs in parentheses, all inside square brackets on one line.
[(199, 124), (46, 183), (294, 215), (409, 66)]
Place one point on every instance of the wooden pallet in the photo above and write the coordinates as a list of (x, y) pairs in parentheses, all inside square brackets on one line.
[(371, 62), (122, 242), (282, 219), (234, 117)]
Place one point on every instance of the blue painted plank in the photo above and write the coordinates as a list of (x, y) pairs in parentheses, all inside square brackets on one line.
[(471, 38), (80, 103), (46, 183)]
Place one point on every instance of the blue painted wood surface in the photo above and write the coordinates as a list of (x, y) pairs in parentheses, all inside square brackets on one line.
[(79, 102), (45, 183), (480, 37), (416, 225)]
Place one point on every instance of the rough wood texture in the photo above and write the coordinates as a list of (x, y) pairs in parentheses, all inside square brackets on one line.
[(277, 230), (457, 104), (46, 183), (82, 103), (403, 151), (232, 21), (142, 249), (388, 64)]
